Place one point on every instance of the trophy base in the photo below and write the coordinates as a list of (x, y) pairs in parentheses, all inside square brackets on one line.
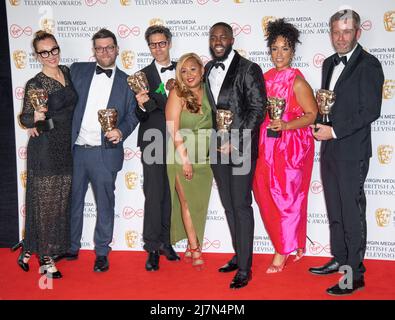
[(108, 144), (44, 125), (273, 134)]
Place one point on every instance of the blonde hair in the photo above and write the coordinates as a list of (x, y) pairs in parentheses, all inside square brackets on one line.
[(182, 90)]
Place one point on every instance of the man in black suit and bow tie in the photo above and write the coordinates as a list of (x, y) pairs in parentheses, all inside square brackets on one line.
[(236, 84), (99, 85), (356, 77), (152, 142)]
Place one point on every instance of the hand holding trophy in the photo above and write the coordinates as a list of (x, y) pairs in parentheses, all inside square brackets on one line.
[(138, 82), (275, 109), (108, 120), (39, 99), (325, 100), (224, 119)]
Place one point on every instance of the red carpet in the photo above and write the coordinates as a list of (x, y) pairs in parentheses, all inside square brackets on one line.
[(127, 279)]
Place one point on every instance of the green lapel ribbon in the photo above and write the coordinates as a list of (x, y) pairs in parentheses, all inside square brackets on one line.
[(161, 89)]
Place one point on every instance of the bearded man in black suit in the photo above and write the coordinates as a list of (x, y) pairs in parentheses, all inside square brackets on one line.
[(356, 77), (236, 84)]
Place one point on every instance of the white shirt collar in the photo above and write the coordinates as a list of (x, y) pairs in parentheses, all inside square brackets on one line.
[(112, 68), (228, 60), (349, 54), (159, 66)]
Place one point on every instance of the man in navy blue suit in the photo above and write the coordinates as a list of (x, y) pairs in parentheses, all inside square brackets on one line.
[(357, 79), (99, 85)]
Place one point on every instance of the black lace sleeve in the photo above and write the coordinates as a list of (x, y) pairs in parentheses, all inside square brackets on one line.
[(27, 115)]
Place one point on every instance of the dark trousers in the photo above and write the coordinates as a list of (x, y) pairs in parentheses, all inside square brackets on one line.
[(235, 192), (88, 166), (157, 206), (345, 200)]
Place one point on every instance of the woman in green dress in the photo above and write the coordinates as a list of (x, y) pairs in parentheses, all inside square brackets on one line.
[(189, 122)]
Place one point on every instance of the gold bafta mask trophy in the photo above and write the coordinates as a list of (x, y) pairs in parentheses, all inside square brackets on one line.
[(224, 119), (138, 82), (325, 101), (108, 120), (275, 109), (39, 99)]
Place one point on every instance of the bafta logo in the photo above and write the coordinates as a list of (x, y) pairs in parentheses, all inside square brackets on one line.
[(389, 21), (238, 1), (131, 238), (138, 82), (265, 21), (48, 25), (275, 109), (19, 57), (383, 217), (242, 52), (384, 153), (125, 2), (388, 89), (108, 121), (15, 2), (127, 57), (156, 22), (131, 180), (23, 176)]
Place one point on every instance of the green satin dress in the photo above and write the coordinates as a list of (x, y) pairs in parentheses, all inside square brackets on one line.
[(195, 130)]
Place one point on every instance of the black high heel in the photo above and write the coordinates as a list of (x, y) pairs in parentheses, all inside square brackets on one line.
[(23, 255), (46, 264), (17, 246)]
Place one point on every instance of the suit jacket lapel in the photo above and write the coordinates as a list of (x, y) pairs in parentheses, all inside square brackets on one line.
[(116, 90), (350, 66), (210, 96), (227, 85), (154, 82), (327, 73), (90, 73)]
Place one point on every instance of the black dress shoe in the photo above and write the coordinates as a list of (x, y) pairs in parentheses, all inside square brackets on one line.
[(331, 267), (152, 263), (241, 279), (101, 264), (337, 291), (168, 251), (229, 267), (69, 256)]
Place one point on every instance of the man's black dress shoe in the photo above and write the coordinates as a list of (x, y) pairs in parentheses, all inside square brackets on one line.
[(101, 264), (152, 263), (168, 251), (331, 267), (229, 267), (337, 291), (241, 279)]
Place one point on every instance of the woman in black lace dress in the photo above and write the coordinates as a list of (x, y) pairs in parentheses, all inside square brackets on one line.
[(49, 160)]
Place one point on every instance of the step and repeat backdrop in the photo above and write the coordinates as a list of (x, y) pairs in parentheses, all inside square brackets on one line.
[(74, 22)]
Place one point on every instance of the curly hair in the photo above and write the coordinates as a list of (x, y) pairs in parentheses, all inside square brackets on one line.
[(280, 28), (182, 90)]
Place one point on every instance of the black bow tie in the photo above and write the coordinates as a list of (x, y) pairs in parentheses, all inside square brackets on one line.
[(219, 64), (100, 70), (164, 69), (338, 59)]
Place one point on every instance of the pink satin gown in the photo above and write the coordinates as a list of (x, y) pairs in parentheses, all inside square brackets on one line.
[(283, 171)]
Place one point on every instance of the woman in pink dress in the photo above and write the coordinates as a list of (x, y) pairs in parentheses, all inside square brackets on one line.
[(284, 165)]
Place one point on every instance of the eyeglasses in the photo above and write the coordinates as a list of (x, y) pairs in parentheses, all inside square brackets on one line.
[(45, 54), (109, 49), (161, 44)]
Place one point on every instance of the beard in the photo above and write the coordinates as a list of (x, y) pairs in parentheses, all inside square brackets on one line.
[(228, 50)]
